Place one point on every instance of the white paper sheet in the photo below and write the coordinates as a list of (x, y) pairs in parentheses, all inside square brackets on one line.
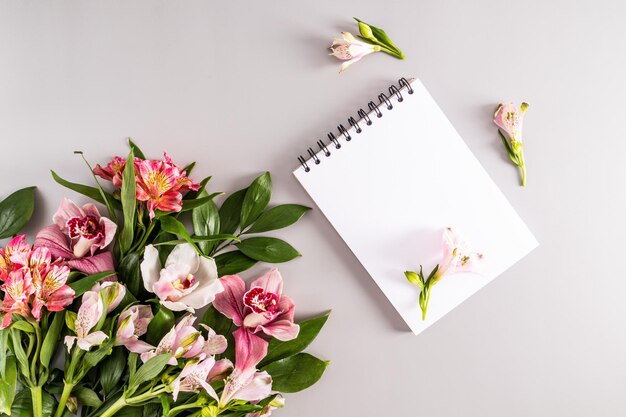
[(392, 189)]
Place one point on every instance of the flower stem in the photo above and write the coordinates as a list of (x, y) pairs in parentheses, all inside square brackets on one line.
[(424, 299), (523, 168), (65, 395), (37, 401), (115, 407)]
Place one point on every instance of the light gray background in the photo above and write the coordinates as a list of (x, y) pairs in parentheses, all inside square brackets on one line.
[(243, 87)]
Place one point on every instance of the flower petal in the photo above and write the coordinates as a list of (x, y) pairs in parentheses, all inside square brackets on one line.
[(52, 238), (101, 262), (184, 254), (259, 388), (230, 301), (271, 281), (150, 267)]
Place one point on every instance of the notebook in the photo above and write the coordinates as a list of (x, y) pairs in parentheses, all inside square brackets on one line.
[(392, 179)]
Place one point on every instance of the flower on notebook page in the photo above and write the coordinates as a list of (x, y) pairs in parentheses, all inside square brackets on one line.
[(456, 257), (509, 121)]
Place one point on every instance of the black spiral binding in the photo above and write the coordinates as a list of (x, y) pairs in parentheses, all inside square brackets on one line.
[(363, 116)]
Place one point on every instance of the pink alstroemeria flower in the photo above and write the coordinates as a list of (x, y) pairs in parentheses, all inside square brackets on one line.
[(509, 121), (17, 290), (187, 282), (246, 382), (194, 377), (182, 341), (351, 50), (15, 255), (48, 280), (89, 314), (263, 308), (158, 182), (457, 256), (79, 235), (112, 292), (132, 324)]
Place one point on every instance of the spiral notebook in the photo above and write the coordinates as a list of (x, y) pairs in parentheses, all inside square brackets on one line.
[(392, 179)]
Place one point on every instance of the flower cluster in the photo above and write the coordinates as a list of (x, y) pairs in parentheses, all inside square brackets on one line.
[(122, 299), (31, 281), (456, 257)]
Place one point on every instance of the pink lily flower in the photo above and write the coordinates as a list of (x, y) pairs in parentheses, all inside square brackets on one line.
[(79, 235), (48, 280), (509, 120), (245, 382), (263, 308), (351, 50), (111, 291), (89, 314), (187, 282), (159, 183), (14, 255), (182, 341), (194, 377), (457, 256), (132, 324), (113, 170), (17, 290)]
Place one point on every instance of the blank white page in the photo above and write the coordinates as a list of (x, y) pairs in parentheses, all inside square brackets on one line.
[(391, 190)]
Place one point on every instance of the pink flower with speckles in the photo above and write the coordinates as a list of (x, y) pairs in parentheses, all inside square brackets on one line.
[(263, 308)]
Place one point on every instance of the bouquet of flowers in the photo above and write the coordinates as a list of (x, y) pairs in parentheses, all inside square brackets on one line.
[(149, 318)]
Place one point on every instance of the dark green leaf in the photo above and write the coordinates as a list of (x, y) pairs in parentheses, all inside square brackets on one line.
[(87, 397), (86, 190), (149, 370), (135, 149), (129, 204), (233, 262), (217, 321), (309, 329), (84, 284), (20, 354), (94, 357), (230, 212), (129, 273), (171, 225), (15, 211), (295, 373), (112, 369), (268, 249), (257, 197), (23, 406), (51, 340), (162, 323), (206, 222), (278, 217), (8, 383)]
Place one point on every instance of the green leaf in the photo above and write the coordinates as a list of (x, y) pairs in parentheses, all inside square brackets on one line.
[(70, 320), (278, 217), (379, 37), (94, 357), (198, 239), (18, 351), (414, 278), (135, 149), (87, 397), (198, 202), (51, 340), (206, 222), (257, 197), (129, 274), (86, 190), (8, 383), (149, 370), (230, 212), (171, 225), (295, 373), (162, 323), (309, 329), (15, 211), (129, 204), (111, 370), (23, 406), (4, 346), (268, 249), (23, 326), (84, 284), (233, 262)]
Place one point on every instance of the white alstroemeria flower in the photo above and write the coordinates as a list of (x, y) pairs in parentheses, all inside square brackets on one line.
[(186, 282), (89, 314)]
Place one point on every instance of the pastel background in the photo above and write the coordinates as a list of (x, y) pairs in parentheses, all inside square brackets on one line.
[(243, 87)]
